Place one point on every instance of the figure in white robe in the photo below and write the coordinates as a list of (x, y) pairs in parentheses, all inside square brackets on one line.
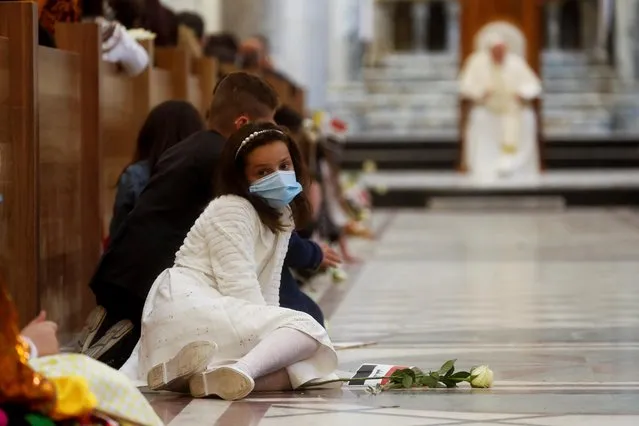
[(501, 131)]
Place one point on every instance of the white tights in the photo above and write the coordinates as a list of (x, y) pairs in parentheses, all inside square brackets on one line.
[(267, 361)]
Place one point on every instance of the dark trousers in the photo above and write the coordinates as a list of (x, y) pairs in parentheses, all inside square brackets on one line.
[(292, 297)]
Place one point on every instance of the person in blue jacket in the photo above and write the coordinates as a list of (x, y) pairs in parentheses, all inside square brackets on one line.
[(304, 254), (166, 125)]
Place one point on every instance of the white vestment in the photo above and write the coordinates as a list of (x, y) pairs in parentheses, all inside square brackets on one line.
[(501, 131)]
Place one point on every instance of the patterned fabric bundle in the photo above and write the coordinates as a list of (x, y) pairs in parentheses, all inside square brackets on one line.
[(65, 389)]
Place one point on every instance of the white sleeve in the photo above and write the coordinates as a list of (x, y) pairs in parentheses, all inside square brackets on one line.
[(230, 226), (472, 84), (33, 350), (530, 85)]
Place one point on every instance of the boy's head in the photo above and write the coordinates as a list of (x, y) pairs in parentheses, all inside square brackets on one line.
[(238, 99)]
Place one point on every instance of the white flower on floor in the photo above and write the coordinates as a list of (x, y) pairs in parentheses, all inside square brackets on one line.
[(339, 275), (481, 377), (411, 378)]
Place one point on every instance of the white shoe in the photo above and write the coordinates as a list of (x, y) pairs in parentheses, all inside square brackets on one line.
[(228, 383), (174, 374)]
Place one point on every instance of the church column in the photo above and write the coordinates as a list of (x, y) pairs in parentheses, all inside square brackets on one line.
[(605, 10), (420, 16), (383, 30), (453, 26), (553, 26), (243, 17), (212, 13), (635, 39), (298, 31), (625, 36)]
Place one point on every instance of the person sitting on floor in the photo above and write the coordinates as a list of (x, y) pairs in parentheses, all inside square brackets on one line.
[(213, 320), (306, 255), (166, 125), (222, 46), (179, 189), (191, 33)]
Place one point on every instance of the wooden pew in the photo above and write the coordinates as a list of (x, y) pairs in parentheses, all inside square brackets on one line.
[(124, 104), (68, 126), (183, 78), (18, 157), (170, 75), (50, 207), (290, 94), (202, 81)]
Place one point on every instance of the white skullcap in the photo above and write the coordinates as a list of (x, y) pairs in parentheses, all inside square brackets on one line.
[(495, 39)]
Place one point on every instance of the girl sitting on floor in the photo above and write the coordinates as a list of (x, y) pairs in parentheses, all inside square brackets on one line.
[(213, 322)]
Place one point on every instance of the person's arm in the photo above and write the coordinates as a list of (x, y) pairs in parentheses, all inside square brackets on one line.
[(472, 81), (124, 202), (530, 85), (41, 337), (230, 226), (303, 253)]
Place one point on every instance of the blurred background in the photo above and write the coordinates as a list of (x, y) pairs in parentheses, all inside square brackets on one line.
[(389, 69)]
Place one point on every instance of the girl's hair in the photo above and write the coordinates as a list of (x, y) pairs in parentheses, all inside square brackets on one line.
[(232, 176), (165, 126), (289, 118)]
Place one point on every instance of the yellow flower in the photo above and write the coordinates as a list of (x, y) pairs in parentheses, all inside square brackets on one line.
[(381, 189), (339, 275), (509, 149), (369, 166), (481, 377), (74, 398)]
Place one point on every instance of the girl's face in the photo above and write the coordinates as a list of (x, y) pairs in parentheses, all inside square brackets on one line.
[(267, 159)]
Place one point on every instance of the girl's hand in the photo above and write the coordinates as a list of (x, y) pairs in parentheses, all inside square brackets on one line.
[(330, 258)]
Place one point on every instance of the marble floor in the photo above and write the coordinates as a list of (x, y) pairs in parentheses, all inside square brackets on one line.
[(550, 300)]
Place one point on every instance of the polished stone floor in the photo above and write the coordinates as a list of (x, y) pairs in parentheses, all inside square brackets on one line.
[(549, 299)]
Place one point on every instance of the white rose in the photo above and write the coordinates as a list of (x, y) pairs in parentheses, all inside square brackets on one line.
[(481, 377), (339, 275)]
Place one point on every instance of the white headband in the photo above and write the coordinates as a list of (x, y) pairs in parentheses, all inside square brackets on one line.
[(252, 136)]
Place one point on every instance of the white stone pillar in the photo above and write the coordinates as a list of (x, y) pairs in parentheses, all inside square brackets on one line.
[(626, 33), (605, 9), (420, 17), (454, 34), (212, 13), (553, 26), (339, 28), (298, 32), (383, 32)]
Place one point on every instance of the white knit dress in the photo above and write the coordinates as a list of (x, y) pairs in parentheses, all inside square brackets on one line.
[(224, 288)]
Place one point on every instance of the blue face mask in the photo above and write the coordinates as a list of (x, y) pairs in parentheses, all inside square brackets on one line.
[(277, 189)]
